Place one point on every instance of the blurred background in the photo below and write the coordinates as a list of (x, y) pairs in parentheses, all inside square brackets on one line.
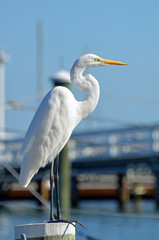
[(125, 31), (120, 138)]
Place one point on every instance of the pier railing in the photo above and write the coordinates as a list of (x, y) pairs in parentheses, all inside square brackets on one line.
[(104, 148), (100, 152)]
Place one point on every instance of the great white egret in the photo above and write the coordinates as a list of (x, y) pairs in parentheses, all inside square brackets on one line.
[(57, 116)]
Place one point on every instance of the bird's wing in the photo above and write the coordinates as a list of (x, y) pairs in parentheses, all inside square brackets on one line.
[(43, 137)]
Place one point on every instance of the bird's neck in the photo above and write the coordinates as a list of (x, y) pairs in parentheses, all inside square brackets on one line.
[(88, 84)]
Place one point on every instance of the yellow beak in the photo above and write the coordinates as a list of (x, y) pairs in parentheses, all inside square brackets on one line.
[(112, 62)]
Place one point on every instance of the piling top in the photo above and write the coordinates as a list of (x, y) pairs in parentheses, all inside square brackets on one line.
[(3, 57), (61, 76), (45, 231)]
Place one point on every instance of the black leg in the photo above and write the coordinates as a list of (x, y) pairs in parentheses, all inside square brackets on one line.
[(51, 192), (56, 179)]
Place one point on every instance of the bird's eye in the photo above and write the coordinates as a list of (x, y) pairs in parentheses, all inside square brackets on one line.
[(97, 60)]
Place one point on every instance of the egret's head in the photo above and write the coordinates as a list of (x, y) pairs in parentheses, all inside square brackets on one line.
[(92, 60)]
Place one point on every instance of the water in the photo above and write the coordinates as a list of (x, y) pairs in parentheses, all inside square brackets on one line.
[(101, 219)]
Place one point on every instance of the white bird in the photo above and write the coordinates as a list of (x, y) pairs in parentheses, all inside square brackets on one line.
[(58, 114)]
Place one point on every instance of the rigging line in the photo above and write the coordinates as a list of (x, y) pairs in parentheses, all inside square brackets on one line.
[(104, 94), (33, 191), (30, 97), (103, 119), (107, 95), (17, 106), (131, 98)]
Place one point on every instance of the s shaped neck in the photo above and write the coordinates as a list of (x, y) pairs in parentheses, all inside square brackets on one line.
[(90, 85)]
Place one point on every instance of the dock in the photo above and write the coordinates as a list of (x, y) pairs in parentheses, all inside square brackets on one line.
[(118, 163)]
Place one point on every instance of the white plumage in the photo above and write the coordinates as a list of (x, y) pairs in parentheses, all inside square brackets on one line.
[(57, 116)]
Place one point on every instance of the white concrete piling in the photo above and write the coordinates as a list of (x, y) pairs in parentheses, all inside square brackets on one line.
[(45, 231)]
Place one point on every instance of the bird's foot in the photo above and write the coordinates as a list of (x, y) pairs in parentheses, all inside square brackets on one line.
[(71, 222), (66, 221)]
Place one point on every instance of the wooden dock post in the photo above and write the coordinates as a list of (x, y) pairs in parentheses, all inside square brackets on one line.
[(123, 193), (157, 190), (62, 78), (45, 231), (65, 181)]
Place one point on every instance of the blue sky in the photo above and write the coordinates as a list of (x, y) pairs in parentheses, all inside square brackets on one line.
[(120, 30)]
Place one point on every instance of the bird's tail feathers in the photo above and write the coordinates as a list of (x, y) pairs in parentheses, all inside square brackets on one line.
[(25, 176)]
